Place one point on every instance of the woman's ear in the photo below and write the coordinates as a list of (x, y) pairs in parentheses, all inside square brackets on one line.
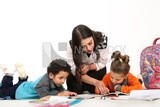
[(51, 75)]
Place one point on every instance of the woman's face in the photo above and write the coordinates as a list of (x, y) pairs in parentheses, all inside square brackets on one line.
[(87, 45)]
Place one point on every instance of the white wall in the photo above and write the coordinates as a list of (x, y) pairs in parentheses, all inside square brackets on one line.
[(130, 25)]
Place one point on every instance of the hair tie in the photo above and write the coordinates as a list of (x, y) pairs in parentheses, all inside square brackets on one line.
[(120, 59)]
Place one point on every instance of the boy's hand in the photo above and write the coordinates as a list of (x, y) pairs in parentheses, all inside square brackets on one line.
[(67, 93), (45, 98)]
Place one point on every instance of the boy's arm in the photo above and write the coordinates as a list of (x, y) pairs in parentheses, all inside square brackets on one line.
[(45, 87)]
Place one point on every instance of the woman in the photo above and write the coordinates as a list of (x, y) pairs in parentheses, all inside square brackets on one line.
[(87, 55)]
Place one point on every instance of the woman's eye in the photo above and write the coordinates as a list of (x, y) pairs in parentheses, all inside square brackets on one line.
[(83, 47), (90, 43)]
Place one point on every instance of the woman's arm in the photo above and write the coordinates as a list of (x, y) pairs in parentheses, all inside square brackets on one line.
[(101, 63), (88, 79), (97, 83)]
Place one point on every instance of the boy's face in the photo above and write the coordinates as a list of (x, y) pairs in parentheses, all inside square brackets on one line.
[(59, 78), (117, 78)]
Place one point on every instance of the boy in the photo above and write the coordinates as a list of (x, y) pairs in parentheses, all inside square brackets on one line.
[(47, 85)]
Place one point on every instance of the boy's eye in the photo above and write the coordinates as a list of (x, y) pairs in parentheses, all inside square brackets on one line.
[(62, 77)]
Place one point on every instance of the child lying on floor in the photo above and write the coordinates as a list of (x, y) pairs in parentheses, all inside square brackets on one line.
[(45, 86), (120, 78)]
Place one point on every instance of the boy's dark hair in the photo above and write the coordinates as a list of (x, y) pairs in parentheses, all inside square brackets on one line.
[(120, 63), (58, 65)]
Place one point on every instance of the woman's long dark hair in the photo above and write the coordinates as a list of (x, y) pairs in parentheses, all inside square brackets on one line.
[(79, 33)]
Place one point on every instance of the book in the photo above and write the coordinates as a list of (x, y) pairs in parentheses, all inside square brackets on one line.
[(54, 105), (55, 101), (114, 94), (147, 95), (84, 96)]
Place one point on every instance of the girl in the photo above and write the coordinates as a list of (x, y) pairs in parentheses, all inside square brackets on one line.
[(119, 78)]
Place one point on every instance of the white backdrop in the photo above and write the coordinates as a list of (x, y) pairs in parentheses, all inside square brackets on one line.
[(130, 25)]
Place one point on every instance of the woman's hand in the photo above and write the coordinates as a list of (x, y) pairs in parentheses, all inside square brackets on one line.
[(100, 87), (84, 68)]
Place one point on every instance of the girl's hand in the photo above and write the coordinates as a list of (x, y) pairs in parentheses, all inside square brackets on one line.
[(117, 87)]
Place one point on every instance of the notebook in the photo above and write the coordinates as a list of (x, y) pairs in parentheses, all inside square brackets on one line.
[(55, 101), (84, 96), (147, 95)]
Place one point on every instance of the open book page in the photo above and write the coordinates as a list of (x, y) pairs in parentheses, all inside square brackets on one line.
[(85, 96), (116, 94), (54, 100), (147, 95)]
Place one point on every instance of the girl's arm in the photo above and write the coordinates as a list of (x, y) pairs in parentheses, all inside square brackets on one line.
[(133, 84)]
